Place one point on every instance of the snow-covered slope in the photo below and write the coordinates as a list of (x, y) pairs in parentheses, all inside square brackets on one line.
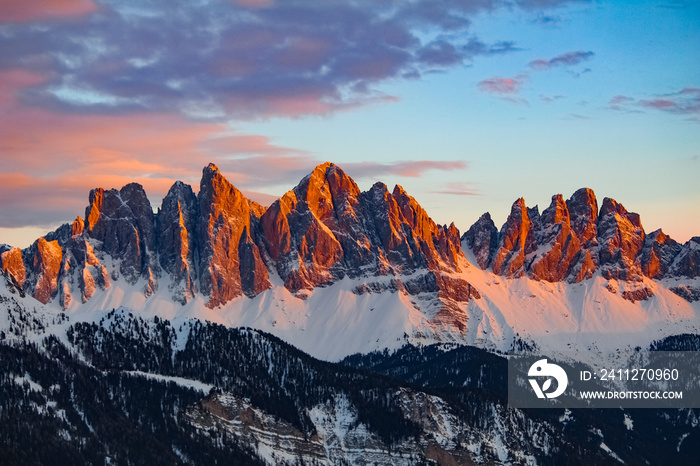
[(334, 321)]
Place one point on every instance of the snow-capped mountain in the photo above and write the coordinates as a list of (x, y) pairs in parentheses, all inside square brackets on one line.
[(336, 271), (202, 333)]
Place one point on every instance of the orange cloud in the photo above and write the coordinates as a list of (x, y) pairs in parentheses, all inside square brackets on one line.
[(30, 10)]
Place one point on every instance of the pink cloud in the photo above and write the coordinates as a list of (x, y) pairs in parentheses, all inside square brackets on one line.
[(14, 80), (31, 10), (411, 169), (458, 189), (619, 102), (683, 102), (659, 104), (499, 85)]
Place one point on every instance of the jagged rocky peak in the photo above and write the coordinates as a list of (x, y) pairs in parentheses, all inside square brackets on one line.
[(572, 240), (302, 228), (516, 240), (658, 254), (482, 240), (123, 222), (428, 235), (77, 226), (687, 262), (583, 212), (230, 262), (325, 229), (176, 226), (557, 245), (620, 239)]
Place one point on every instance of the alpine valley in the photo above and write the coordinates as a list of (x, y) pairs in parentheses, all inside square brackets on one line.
[(333, 327)]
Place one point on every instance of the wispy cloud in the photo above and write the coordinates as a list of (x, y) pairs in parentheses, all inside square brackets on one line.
[(567, 59), (410, 169), (549, 99), (458, 189), (507, 89), (683, 102), (499, 85), (552, 21)]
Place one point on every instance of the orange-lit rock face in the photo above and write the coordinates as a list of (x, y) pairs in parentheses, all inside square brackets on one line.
[(13, 264), (92, 213), (77, 226), (572, 239), (583, 213), (439, 246), (225, 219), (620, 239), (46, 264), (326, 228), (516, 238), (559, 244), (658, 254)]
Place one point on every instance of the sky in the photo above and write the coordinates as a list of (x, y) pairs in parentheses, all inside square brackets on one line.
[(467, 104)]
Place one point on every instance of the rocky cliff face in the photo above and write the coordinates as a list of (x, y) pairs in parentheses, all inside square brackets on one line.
[(687, 261), (230, 263), (176, 224), (13, 265), (482, 239), (121, 225), (573, 239), (326, 229), (516, 240), (221, 245)]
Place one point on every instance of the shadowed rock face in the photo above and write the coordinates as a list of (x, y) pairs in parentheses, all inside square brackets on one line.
[(224, 225), (482, 239), (176, 224), (122, 223), (572, 239), (687, 262)]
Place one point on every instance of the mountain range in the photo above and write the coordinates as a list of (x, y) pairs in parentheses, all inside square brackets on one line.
[(333, 327), (336, 271)]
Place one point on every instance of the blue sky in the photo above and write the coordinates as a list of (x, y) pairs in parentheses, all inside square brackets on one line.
[(467, 104)]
